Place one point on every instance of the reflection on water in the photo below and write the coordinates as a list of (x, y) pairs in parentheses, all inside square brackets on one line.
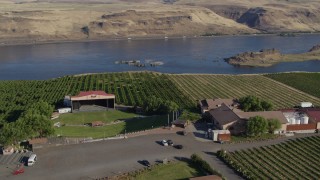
[(201, 55)]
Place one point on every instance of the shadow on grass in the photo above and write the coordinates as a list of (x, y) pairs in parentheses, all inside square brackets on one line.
[(198, 172), (140, 124)]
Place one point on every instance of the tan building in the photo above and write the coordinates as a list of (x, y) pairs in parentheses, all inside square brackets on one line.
[(229, 117), (267, 115), (209, 104)]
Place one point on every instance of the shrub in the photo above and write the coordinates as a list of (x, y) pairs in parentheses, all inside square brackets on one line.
[(198, 161)]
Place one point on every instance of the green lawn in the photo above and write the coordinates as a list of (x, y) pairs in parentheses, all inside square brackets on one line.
[(173, 171), (88, 117), (134, 124)]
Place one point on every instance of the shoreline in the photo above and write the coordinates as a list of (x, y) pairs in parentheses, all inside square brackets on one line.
[(156, 72), (23, 42)]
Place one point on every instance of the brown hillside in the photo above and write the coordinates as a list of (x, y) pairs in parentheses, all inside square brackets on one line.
[(28, 21)]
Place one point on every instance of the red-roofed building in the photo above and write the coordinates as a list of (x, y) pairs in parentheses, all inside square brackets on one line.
[(314, 115), (302, 120), (91, 101)]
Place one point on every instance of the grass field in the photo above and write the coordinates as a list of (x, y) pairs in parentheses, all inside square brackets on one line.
[(173, 171), (200, 87), (88, 117), (132, 125), (294, 159), (306, 82)]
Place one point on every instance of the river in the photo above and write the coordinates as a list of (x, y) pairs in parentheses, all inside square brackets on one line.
[(180, 55)]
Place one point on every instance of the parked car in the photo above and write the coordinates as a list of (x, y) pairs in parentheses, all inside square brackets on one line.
[(32, 159), (170, 142), (145, 163), (164, 143), (178, 146)]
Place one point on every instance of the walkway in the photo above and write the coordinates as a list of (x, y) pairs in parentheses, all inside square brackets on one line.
[(161, 130)]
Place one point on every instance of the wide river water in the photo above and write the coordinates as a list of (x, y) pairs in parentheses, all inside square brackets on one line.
[(184, 55)]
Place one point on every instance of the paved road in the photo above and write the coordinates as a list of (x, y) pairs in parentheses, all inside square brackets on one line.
[(101, 159)]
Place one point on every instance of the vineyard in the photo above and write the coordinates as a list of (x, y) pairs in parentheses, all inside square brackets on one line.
[(307, 82), (130, 89), (133, 88), (294, 159), (235, 86)]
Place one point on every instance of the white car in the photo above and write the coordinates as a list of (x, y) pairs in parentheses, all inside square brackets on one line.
[(164, 143)]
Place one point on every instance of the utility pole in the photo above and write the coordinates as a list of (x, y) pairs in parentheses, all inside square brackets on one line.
[(168, 120), (172, 115)]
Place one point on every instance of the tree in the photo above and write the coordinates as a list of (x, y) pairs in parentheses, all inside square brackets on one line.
[(36, 124), (273, 124), (266, 105), (156, 105), (186, 115), (256, 126), (11, 133), (42, 108), (169, 106), (152, 105), (253, 103)]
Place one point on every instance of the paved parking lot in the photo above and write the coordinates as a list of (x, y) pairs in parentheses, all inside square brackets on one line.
[(101, 159), (107, 158)]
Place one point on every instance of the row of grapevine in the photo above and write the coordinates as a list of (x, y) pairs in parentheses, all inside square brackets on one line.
[(295, 159), (306, 82), (235, 86)]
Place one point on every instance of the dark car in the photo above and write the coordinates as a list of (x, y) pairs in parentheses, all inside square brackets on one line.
[(145, 163), (178, 146), (170, 142)]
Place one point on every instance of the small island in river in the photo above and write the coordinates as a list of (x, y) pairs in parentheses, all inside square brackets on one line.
[(269, 57)]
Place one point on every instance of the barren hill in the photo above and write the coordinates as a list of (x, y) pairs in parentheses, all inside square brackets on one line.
[(27, 21)]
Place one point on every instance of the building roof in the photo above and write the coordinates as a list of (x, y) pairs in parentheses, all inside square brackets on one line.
[(88, 93), (224, 115), (92, 95), (313, 114), (215, 103), (297, 127), (266, 114), (210, 177)]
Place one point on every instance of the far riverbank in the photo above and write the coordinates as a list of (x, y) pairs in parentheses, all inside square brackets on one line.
[(33, 41)]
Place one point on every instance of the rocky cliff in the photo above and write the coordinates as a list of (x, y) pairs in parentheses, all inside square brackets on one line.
[(69, 20)]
